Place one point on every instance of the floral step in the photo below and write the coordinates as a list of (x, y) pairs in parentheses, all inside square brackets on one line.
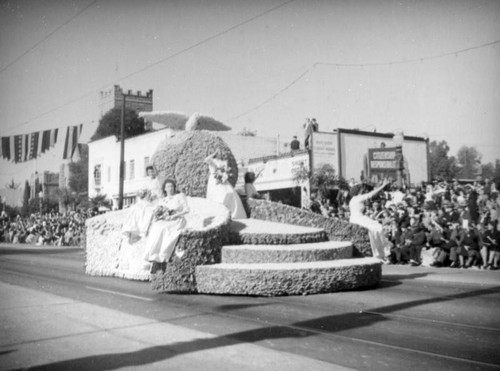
[(261, 232), (274, 279), (310, 252)]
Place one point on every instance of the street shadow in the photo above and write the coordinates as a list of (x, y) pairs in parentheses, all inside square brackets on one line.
[(41, 250), (231, 307), (302, 329), (404, 277)]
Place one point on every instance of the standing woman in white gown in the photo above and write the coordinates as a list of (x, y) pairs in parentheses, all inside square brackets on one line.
[(166, 225), (379, 244), (220, 190)]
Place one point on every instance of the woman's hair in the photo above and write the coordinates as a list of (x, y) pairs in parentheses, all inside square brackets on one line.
[(249, 177), (168, 181), (149, 167), (356, 190)]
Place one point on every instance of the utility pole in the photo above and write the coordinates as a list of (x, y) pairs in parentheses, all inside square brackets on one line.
[(122, 155)]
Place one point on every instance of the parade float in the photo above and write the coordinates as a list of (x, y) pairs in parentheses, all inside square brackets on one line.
[(278, 250)]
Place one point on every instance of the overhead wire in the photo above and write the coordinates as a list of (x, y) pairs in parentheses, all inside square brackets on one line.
[(49, 35), (334, 64), (162, 60)]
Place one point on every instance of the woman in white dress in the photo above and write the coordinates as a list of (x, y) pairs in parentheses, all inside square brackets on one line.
[(379, 244), (166, 225), (220, 190), (140, 214)]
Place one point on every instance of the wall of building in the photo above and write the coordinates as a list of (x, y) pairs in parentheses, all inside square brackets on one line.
[(105, 155), (354, 147)]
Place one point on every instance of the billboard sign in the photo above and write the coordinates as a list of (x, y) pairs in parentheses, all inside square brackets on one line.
[(324, 150), (383, 163)]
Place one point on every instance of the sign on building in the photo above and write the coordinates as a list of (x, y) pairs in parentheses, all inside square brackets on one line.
[(383, 163), (324, 150)]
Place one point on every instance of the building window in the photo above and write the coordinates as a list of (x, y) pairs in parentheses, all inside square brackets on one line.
[(146, 164), (97, 175), (109, 174), (132, 169)]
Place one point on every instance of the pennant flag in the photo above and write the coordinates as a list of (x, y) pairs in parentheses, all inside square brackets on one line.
[(49, 139), (6, 148), (32, 146), (72, 135), (12, 148), (18, 144)]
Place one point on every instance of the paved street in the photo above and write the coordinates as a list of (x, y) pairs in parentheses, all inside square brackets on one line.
[(53, 316)]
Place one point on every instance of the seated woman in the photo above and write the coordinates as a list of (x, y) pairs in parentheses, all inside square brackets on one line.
[(220, 190), (136, 224), (166, 225)]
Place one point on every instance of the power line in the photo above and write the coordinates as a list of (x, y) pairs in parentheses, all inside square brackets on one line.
[(406, 61), (46, 37), (204, 41), (171, 56), (314, 65)]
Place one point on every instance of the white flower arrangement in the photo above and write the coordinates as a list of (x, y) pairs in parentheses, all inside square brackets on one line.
[(161, 212), (222, 174)]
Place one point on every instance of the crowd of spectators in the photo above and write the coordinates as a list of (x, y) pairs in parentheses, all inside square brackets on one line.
[(458, 221), (44, 229)]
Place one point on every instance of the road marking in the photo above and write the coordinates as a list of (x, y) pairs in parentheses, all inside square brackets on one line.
[(456, 324), (119, 293)]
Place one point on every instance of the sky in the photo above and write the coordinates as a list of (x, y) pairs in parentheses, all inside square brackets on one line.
[(427, 68)]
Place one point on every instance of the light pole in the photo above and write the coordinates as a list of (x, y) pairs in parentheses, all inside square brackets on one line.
[(122, 155), (40, 198), (398, 140)]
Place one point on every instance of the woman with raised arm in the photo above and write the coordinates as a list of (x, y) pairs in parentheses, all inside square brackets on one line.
[(379, 244), (250, 190), (219, 189), (166, 225)]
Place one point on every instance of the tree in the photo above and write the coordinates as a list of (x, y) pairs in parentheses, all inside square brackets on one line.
[(469, 160), (111, 122), (322, 180), (26, 198), (441, 165), (491, 171), (78, 179), (247, 133)]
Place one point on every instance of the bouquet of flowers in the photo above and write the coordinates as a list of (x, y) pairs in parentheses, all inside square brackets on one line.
[(222, 174), (161, 212)]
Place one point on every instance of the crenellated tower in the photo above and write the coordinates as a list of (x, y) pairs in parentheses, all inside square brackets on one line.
[(113, 98)]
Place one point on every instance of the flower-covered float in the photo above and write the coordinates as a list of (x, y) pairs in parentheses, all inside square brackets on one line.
[(267, 254)]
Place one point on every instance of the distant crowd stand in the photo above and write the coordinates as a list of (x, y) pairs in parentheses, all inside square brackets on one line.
[(460, 221), (45, 229)]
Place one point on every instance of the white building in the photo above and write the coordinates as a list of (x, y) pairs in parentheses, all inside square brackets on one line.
[(104, 160), (346, 151)]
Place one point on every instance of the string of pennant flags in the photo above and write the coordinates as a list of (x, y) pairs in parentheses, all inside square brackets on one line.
[(25, 147)]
